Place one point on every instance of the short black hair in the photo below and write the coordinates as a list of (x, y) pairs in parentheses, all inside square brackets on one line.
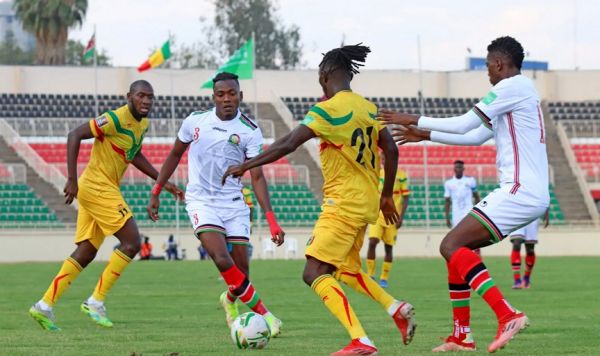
[(139, 83), (346, 58), (225, 76), (458, 161), (509, 47)]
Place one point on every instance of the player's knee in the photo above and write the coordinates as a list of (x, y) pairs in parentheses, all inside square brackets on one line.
[(373, 242), (530, 249), (447, 248), (516, 245), (223, 261), (130, 248)]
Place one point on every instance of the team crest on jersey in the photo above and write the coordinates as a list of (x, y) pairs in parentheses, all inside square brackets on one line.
[(234, 139), (101, 121)]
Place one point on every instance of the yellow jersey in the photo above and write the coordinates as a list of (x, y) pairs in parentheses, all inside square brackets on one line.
[(400, 190), (118, 138), (349, 131), (247, 193)]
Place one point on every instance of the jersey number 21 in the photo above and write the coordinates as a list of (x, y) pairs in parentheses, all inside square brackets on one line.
[(359, 134)]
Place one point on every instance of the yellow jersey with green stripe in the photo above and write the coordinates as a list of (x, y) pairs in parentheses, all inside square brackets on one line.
[(247, 193), (118, 138), (349, 131), (401, 190)]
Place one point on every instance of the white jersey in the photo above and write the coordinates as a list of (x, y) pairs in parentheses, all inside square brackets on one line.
[(460, 191), (215, 145), (512, 110)]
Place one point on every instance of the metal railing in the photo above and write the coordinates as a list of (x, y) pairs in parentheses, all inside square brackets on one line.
[(47, 171), (437, 173), (62, 127), (274, 173), (13, 173)]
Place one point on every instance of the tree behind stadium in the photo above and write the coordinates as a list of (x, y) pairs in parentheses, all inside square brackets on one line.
[(49, 21), (277, 47)]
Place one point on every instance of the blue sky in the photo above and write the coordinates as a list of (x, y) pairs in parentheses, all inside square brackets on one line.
[(565, 33)]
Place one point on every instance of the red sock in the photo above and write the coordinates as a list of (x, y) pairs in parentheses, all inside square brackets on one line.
[(231, 297), (473, 271), (236, 279), (529, 263), (515, 260), (460, 297)]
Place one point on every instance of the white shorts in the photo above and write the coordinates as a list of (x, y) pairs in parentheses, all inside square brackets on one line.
[(230, 218), (529, 233), (502, 212)]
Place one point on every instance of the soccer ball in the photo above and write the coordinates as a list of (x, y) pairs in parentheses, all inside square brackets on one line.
[(250, 331)]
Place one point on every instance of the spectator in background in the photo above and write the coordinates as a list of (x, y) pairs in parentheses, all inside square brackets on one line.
[(202, 252), (146, 249), (171, 248)]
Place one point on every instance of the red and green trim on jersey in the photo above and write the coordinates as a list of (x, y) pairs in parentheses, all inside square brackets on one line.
[(246, 121)]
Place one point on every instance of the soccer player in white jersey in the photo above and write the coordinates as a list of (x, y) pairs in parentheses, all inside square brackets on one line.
[(511, 114), (461, 193), (218, 139), (527, 235)]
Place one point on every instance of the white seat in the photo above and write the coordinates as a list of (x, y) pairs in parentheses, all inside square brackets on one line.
[(291, 247), (268, 248)]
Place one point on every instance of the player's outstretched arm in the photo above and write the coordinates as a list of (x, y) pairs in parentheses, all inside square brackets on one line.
[(259, 185), (166, 171), (390, 166), (456, 125), (476, 137), (285, 145), (73, 143)]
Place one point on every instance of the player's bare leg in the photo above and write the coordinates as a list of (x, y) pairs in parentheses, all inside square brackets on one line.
[(319, 276), (238, 282), (529, 263), (457, 248), (130, 241), (41, 311), (371, 255)]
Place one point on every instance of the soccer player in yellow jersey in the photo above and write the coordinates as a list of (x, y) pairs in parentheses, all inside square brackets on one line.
[(102, 210), (387, 232), (350, 135)]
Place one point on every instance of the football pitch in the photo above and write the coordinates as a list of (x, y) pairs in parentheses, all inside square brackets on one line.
[(162, 308)]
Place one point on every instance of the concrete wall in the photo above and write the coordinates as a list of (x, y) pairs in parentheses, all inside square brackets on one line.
[(56, 246), (554, 85)]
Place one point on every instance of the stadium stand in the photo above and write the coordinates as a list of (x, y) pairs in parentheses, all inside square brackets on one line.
[(21, 207)]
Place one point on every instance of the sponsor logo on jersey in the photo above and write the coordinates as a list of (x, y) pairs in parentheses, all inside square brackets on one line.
[(234, 139), (484, 203), (489, 98), (101, 121), (219, 129)]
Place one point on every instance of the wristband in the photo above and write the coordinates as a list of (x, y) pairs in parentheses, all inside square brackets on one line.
[(270, 216), (156, 189)]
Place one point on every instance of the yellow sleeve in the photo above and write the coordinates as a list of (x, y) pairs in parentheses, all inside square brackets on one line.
[(315, 120), (102, 126), (248, 197), (403, 180)]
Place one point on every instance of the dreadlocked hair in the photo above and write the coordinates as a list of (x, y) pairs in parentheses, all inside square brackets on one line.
[(346, 58)]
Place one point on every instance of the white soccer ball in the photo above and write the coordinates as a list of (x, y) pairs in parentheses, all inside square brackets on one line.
[(250, 331)]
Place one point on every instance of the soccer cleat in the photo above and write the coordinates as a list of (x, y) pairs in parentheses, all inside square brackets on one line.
[(518, 284), (231, 309), (526, 283), (274, 324), (507, 329), (97, 313), (404, 317), (356, 348), (383, 283), (454, 344), (44, 317)]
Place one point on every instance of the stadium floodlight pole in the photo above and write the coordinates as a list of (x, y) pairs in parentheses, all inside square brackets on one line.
[(95, 75), (425, 158)]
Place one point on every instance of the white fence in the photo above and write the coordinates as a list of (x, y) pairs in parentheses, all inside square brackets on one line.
[(274, 173), (48, 127), (47, 171), (13, 173)]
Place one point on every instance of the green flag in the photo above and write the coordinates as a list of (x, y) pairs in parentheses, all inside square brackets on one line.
[(240, 63), (88, 51)]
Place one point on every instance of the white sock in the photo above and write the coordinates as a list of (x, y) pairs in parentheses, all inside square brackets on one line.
[(365, 340), (44, 306), (394, 307), (93, 301)]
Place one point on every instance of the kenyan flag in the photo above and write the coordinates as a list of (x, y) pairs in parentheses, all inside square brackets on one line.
[(88, 52)]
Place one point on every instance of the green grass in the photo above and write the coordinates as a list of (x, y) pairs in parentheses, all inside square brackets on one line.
[(165, 307)]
